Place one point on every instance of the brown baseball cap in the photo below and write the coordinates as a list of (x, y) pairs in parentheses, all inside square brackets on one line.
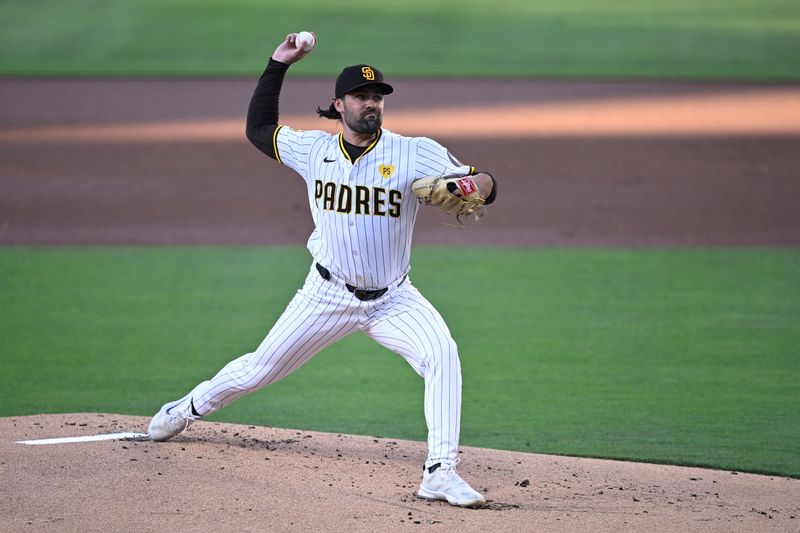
[(356, 76)]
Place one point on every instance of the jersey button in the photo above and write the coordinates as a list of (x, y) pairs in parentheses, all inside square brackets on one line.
[(355, 252), (351, 223)]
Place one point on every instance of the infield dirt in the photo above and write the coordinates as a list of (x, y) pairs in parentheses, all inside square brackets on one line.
[(244, 478), (617, 164)]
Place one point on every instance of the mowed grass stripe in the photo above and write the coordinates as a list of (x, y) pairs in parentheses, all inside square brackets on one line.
[(736, 39)]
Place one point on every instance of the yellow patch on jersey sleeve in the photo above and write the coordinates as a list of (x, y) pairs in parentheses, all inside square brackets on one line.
[(386, 171)]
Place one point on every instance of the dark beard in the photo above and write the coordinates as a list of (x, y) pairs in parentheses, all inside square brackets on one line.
[(366, 126)]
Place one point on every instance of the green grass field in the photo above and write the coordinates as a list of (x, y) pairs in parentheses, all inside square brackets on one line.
[(730, 39), (680, 356)]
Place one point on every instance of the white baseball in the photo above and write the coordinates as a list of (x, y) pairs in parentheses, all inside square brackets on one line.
[(305, 41)]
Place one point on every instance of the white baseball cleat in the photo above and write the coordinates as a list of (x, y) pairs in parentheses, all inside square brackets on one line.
[(442, 482), (172, 419)]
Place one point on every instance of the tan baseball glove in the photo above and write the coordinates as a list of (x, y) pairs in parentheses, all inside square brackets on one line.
[(455, 195)]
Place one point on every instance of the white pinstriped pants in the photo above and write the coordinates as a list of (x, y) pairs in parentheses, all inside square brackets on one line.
[(323, 312)]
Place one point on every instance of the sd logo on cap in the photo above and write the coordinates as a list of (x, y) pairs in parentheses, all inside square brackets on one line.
[(357, 76)]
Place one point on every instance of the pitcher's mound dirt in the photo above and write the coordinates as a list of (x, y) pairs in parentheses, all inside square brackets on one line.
[(245, 478)]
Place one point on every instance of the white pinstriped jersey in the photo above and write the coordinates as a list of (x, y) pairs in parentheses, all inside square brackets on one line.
[(363, 210)]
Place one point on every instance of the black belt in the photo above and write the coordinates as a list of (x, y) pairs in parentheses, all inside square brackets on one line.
[(362, 294)]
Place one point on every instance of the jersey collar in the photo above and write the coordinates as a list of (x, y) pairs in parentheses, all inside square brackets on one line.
[(368, 150)]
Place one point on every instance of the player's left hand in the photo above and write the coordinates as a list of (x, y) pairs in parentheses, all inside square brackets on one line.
[(455, 195)]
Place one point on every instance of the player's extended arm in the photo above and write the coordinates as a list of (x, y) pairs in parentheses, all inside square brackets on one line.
[(262, 114)]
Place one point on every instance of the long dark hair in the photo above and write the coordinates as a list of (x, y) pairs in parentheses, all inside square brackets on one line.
[(330, 113)]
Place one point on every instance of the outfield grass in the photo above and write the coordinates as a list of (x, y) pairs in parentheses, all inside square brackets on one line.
[(733, 39), (680, 356)]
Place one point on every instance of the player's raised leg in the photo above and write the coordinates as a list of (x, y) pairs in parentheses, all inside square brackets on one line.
[(318, 315)]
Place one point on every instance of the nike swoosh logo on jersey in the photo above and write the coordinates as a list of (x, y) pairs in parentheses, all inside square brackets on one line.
[(326, 160)]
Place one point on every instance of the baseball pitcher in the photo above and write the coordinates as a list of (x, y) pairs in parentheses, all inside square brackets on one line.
[(364, 187)]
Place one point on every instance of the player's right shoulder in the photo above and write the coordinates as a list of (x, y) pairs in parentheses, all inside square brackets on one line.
[(287, 134), (293, 146), (290, 131)]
